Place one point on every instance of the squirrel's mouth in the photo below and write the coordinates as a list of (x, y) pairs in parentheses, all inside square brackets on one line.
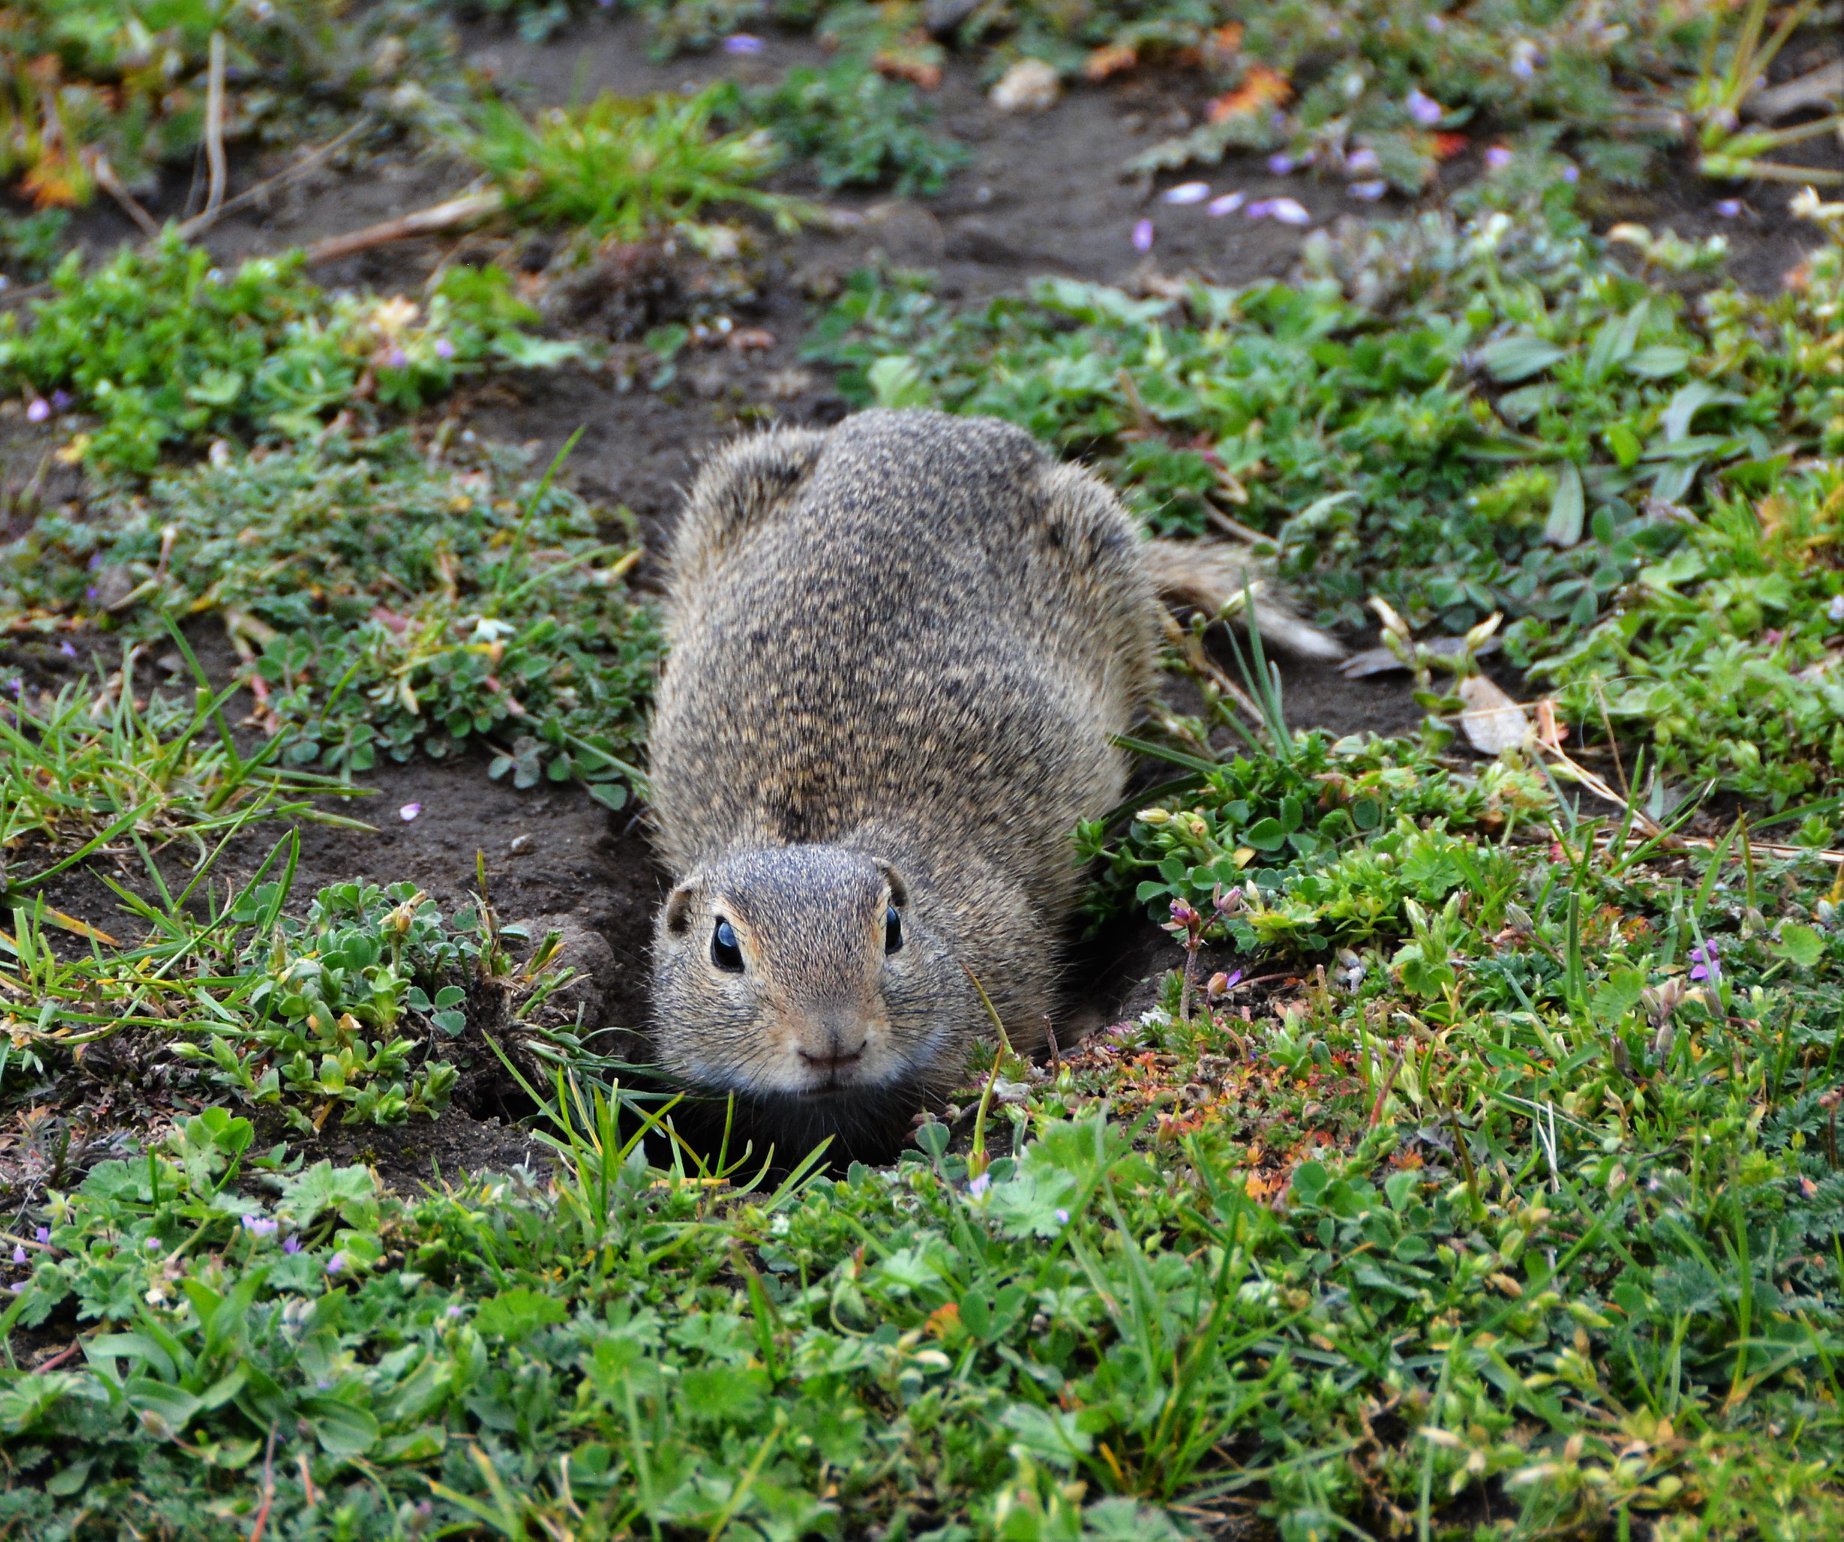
[(860, 1121)]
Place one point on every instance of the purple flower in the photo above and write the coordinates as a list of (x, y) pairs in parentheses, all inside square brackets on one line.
[(1226, 203), (444, 349), (1729, 208), (1497, 157), (38, 410), (1424, 109), (1183, 914), (1571, 173), (1362, 161), (396, 359), (291, 1245), (742, 43), (1186, 192), (455, 1310), (1062, 1216), (338, 1263), (260, 1225), (152, 1244), (1525, 57), (978, 1185), (409, 811), (1281, 163), (1708, 966), (20, 1255), (43, 1236), (1143, 236), (61, 400), (66, 649), (1370, 192)]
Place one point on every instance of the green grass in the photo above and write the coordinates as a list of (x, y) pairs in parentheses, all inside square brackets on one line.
[(96, 770), (164, 349), (1538, 1227), (1476, 1174), (383, 600)]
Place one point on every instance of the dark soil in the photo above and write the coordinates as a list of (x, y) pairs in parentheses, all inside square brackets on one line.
[(1043, 195)]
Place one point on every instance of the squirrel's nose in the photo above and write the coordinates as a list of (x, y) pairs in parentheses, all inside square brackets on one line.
[(835, 1058), (835, 1045)]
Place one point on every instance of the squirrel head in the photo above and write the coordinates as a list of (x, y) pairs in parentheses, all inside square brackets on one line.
[(811, 971)]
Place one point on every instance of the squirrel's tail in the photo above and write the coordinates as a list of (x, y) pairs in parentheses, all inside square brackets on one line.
[(1216, 577)]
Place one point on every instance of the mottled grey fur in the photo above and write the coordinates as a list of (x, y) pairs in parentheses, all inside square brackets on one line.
[(898, 651)]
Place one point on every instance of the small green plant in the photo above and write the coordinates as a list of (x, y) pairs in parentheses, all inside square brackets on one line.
[(626, 168), (165, 349), (382, 601), (339, 1008), (858, 128)]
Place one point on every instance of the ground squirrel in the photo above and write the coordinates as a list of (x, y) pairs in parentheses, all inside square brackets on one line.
[(898, 653)]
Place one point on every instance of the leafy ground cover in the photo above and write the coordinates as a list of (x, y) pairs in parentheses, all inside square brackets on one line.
[(1466, 1164)]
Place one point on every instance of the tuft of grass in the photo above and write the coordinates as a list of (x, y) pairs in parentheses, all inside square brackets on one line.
[(382, 602), (625, 168), (164, 349), (95, 770)]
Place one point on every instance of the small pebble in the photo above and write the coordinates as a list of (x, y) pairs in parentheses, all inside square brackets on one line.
[(520, 845)]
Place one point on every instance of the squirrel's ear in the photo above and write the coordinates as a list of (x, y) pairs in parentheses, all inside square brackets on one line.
[(678, 912), (899, 891)]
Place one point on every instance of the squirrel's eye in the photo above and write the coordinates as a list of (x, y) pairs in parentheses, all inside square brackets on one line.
[(725, 953), (893, 930)]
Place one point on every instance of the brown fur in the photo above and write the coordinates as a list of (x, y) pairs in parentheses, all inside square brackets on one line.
[(898, 651)]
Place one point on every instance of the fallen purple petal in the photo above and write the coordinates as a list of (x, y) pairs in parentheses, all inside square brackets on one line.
[(978, 1185), (1571, 173), (67, 649), (38, 410), (396, 359), (1186, 192), (1729, 208), (1062, 1216), (1497, 157), (409, 811), (1287, 210), (444, 349), (1362, 161), (1226, 203), (20, 1255), (1424, 109), (1370, 192), (743, 43), (1281, 163), (1143, 236)]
